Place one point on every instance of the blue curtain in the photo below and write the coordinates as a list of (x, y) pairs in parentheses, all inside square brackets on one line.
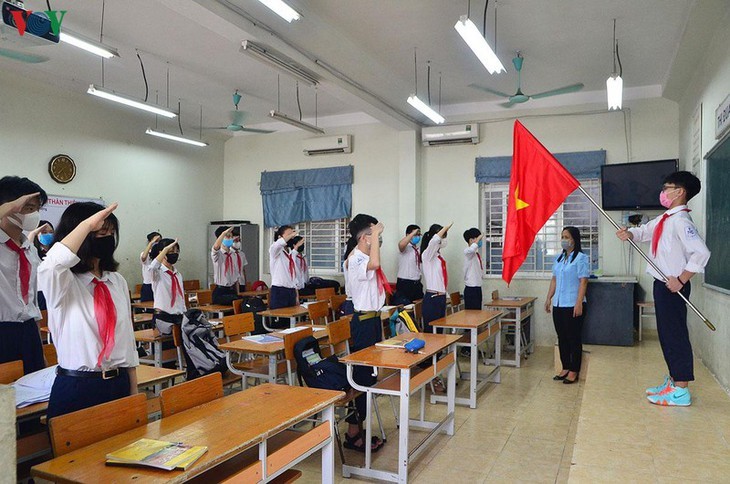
[(581, 164), (306, 195)]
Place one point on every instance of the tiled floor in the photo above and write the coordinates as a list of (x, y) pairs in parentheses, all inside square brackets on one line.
[(531, 428)]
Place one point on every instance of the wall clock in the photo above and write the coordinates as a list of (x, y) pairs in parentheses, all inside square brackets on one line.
[(62, 168)]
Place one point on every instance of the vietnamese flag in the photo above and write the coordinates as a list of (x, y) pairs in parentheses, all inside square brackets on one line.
[(538, 185)]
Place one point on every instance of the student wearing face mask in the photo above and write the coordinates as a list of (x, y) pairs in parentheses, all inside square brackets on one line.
[(408, 283), (20, 201), (42, 238), (679, 252), (283, 293), (146, 293), (473, 269), (167, 285), (241, 261), (89, 311), (435, 274), (566, 297), (227, 267), (300, 262)]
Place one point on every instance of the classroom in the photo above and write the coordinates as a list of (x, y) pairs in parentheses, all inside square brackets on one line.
[(312, 112)]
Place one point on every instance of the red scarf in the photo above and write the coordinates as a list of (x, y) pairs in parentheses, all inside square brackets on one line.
[(175, 288), (23, 269), (383, 284), (418, 256), (479, 256), (291, 263), (443, 271), (302, 263), (228, 264), (105, 314), (659, 229)]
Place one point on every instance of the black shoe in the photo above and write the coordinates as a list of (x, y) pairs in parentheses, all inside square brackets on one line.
[(570, 382), (560, 378)]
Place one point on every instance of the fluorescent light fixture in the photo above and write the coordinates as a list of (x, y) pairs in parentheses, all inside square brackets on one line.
[(88, 45), (112, 96), (282, 9), (279, 61), (295, 122), (171, 137), (478, 44), (614, 90), (425, 109)]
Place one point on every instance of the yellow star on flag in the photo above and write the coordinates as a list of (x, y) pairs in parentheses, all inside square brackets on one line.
[(519, 204)]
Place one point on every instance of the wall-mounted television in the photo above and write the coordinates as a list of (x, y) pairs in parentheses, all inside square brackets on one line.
[(634, 186)]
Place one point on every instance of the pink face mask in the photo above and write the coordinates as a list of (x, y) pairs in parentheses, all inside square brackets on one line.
[(664, 198)]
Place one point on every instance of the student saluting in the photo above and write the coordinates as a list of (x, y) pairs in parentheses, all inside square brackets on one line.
[(409, 265), (167, 285), (283, 293), (227, 267), (146, 294)]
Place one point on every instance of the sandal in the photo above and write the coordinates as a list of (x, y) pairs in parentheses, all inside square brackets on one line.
[(438, 386), (350, 443)]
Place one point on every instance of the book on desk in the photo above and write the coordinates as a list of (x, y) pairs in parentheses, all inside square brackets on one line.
[(157, 453), (395, 342)]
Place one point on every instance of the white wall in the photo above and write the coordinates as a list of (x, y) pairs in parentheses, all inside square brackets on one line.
[(709, 86), (159, 184)]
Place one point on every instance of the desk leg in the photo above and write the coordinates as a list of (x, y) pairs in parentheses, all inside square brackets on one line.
[(474, 361), (451, 391), (518, 337), (264, 319), (272, 368), (158, 354), (404, 416), (498, 353), (292, 322), (328, 451), (368, 430)]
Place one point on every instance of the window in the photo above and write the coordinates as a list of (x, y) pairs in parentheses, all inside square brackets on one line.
[(324, 244), (576, 211)]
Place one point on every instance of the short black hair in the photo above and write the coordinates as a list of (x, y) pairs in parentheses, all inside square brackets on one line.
[(161, 244), (220, 230), (360, 222), (152, 235), (432, 230), (686, 180), (577, 247), (14, 187), (71, 218), (280, 231), (37, 242), (294, 241), (472, 233), (411, 228)]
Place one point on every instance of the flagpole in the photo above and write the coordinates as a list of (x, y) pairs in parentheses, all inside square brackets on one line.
[(647, 259)]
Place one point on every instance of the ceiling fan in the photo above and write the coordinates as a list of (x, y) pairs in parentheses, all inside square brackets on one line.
[(238, 118), (519, 96)]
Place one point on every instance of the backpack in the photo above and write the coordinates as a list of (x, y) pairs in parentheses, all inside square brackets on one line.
[(259, 286), (200, 345), (327, 373), (255, 305), (401, 322), (315, 283)]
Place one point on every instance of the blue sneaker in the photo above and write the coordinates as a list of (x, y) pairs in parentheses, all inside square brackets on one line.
[(660, 388), (678, 397)]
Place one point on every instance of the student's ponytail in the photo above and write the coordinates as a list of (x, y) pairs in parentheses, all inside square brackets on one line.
[(426, 238)]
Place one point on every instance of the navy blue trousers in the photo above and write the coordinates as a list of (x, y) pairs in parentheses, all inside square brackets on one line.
[(145, 294), (282, 297), (570, 336), (22, 341), (413, 290), (70, 394), (434, 307), (347, 307), (472, 297), (225, 295), (671, 325)]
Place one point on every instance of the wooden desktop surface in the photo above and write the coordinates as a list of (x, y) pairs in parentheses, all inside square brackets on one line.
[(246, 346), (510, 303), (468, 318), (290, 312), (398, 358), (227, 426)]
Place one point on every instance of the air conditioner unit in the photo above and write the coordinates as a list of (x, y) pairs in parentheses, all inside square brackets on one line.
[(326, 145), (450, 135)]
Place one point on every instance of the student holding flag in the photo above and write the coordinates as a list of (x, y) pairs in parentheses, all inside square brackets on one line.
[(473, 269)]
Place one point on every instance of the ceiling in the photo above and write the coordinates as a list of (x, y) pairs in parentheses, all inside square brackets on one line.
[(369, 45)]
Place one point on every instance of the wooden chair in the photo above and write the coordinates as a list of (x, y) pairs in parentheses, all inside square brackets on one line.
[(191, 285), (335, 304), (418, 314), (324, 293), (290, 339), (191, 394), (177, 339), (236, 327), (202, 296), (212, 287), (43, 323), (11, 371), (319, 312), (84, 427), (237, 306), (455, 302), (138, 288), (49, 352)]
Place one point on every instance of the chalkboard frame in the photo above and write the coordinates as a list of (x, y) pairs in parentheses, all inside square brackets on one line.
[(720, 251)]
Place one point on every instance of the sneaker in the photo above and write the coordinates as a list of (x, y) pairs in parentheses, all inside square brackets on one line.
[(659, 388), (678, 397)]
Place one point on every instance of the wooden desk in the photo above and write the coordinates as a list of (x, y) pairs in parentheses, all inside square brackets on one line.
[(480, 325), (263, 293), (218, 309), (144, 306), (408, 379), (228, 426), (142, 319), (154, 340), (294, 313), (517, 310)]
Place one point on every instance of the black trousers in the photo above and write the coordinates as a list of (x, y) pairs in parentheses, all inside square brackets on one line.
[(282, 297), (412, 290), (225, 295), (472, 297), (671, 325), (434, 307), (21, 340), (145, 294), (70, 393), (570, 338)]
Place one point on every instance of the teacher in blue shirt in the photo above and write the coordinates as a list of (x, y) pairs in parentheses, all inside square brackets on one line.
[(566, 297)]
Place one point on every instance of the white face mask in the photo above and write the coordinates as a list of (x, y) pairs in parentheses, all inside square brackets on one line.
[(443, 243), (237, 245), (28, 221)]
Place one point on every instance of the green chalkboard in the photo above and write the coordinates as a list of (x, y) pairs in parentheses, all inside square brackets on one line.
[(717, 272)]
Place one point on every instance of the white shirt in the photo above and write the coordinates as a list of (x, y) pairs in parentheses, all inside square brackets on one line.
[(472, 267), (409, 265), (146, 272), (345, 274), (12, 306), (431, 265), (234, 275), (162, 289), (279, 256), (680, 246), (363, 283), (302, 269), (71, 317)]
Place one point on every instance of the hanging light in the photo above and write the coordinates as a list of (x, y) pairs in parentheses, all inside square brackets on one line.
[(615, 84), (478, 44), (417, 103)]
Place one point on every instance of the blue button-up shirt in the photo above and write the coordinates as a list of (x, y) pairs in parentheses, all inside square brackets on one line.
[(568, 273)]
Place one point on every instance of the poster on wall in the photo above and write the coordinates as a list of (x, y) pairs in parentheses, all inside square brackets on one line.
[(53, 210)]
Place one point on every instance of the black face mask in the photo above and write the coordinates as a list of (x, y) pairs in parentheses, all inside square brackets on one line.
[(172, 258), (103, 247), (301, 249)]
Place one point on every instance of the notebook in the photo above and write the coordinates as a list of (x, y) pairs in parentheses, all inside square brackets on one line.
[(157, 453), (396, 342)]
